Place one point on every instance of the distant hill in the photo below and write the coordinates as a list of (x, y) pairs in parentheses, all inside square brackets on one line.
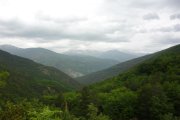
[(111, 54), (114, 70), (73, 65), (117, 55), (29, 79)]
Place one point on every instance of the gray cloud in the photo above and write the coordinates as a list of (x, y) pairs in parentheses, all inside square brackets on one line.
[(61, 20), (177, 28), (175, 16), (41, 33), (145, 3), (169, 40), (154, 5), (174, 3), (108, 24), (151, 16), (174, 28)]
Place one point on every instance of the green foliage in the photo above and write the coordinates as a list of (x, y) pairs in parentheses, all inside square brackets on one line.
[(153, 102), (45, 114), (169, 116), (119, 103), (149, 91), (29, 79), (33, 110), (93, 113), (3, 77), (13, 112)]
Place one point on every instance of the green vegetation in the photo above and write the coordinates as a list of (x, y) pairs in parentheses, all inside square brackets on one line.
[(3, 77), (29, 79), (148, 91)]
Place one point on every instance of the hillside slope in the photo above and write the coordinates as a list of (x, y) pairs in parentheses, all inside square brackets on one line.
[(27, 78)]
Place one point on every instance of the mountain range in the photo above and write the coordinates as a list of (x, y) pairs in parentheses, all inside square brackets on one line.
[(73, 65)]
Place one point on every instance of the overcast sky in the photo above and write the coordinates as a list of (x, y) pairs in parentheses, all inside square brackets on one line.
[(61, 25)]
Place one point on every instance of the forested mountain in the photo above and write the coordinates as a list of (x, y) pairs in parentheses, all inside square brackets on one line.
[(29, 79), (148, 91), (74, 66)]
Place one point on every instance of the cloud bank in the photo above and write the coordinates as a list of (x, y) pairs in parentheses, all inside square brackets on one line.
[(130, 26)]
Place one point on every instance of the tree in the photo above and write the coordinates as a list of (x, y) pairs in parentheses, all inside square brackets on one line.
[(119, 104), (3, 77), (152, 102), (13, 112), (85, 100), (93, 113), (59, 102)]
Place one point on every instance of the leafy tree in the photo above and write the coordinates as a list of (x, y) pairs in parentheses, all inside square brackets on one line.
[(13, 112), (93, 113), (60, 100), (172, 90), (85, 100), (152, 103), (169, 116), (3, 77), (73, 101), (119, 103)]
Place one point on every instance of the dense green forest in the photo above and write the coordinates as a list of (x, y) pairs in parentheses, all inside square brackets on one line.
[(147, 91)]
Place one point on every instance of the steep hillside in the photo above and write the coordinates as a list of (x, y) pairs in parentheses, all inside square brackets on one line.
[(27, 78), (74, 66)]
